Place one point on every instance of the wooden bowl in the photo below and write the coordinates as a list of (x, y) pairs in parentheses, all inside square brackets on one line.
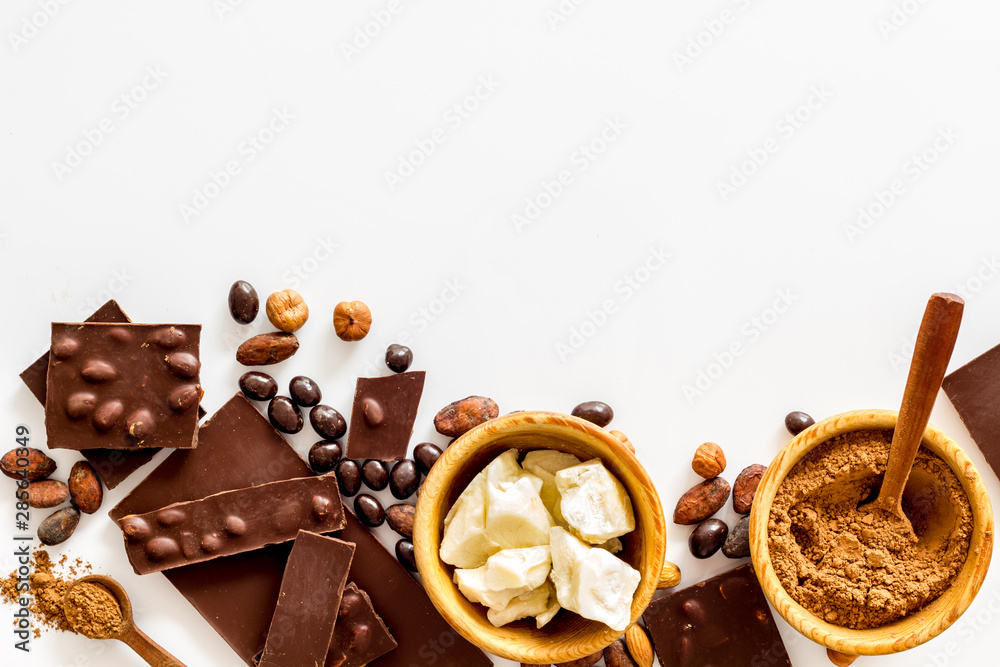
[(916, 628), (568, 636)]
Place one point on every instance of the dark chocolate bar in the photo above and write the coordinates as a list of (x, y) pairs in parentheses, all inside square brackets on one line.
[(113, 466), (383, 415), (309, 602), (974, 390), (123, 386), (231, 522), (237, 594), (360, 636), (724, 620)]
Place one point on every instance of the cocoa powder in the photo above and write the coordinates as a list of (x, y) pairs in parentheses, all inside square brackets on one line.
[(93, 611), (47, 586), (851, 565)]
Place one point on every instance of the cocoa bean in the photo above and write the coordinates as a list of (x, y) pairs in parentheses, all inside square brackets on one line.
[(745, 487), (616, 655), (701, 501), (586, 661), (27, 463), (46, 493), (400, 519), (85, 487), (456, 418), (267, 349), (57, 527)]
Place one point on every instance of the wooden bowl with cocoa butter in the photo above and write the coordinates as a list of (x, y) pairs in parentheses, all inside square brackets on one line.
[(926, 622), (567, 636)]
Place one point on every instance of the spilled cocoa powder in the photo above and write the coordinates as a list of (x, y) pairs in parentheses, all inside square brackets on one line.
[(854, 566), (47, 586)]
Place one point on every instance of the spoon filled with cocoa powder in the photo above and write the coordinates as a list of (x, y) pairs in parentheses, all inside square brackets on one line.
[(97, 607)]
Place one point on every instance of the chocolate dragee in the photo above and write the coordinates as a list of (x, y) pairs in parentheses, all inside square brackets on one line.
[(112, 465), (311, 596), (974, 390), (231, 522), (383, 415), (360, 636), (123, 386), (237, 594), (724, 620)]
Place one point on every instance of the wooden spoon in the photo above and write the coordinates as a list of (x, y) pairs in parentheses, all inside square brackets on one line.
[(150, 651), (931, 353)]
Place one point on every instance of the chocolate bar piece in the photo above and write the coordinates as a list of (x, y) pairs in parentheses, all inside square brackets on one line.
[(724, 620), (974, 390), (231, 522), (421, 635), (123, 386), (237, 594), (113, 466), (237, 447), (311, 595), (383, 415), (360, 636)]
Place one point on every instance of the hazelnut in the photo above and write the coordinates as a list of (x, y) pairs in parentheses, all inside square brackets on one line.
[(709, 461), (287, 310), (352, 320)]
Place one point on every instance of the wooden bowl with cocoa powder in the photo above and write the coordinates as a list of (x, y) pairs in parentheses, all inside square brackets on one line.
[(568, 636), (911, 630)]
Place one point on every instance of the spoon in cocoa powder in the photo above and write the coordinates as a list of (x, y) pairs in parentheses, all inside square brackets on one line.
[(92, 613), (931, 353)]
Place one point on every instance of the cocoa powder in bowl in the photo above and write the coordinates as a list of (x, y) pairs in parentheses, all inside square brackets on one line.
[(846, 564)]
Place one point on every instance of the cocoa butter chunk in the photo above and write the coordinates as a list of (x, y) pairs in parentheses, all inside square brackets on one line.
[(461, 416), (701, 501), (725, 621), (383, 415)]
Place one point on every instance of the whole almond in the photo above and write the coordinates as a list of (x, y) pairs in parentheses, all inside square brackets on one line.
[(709, 460), (27, 463), (701, 501), (400, 519), (670, 576), (586, 661), (639, 645), (622, 438), (456, 418), (46, 493), (616, 655), (85, 487), (745, 487), (266, 349), (57, 527)]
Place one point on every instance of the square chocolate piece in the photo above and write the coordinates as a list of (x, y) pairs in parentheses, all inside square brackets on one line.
[(123, 386), (383, 415), (113, 466), (723, 621), (974, 390)]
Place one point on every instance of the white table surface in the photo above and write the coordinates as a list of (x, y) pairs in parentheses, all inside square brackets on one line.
[(554, 201)]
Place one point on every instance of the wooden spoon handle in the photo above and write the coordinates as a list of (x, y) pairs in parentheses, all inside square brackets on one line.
[(931, 353), (148, 650)]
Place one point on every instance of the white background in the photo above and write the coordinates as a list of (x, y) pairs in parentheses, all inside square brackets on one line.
[(809, 114)]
